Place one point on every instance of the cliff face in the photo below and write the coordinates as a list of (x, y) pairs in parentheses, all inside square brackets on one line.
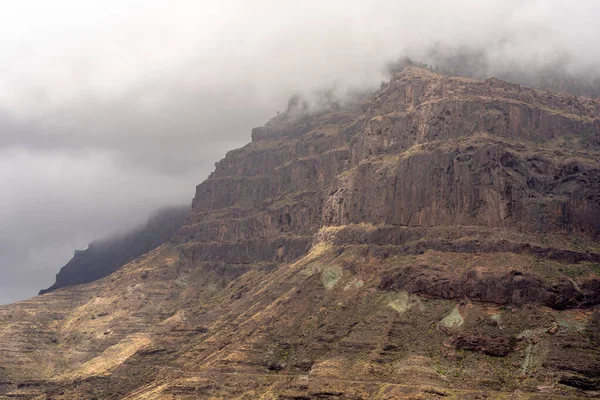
[(440, 238), (442, 151), (103, 257), (426, 151)]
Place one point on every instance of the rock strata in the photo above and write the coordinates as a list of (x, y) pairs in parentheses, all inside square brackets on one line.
[(440, 238)]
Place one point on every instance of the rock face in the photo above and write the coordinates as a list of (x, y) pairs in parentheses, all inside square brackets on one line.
[(103, 257), (455, 152), (440, 238)]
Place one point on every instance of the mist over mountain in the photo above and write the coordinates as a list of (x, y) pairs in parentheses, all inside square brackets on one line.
[(389, 200), (104, 256), (103, 103), (555, 74), (437, 238)]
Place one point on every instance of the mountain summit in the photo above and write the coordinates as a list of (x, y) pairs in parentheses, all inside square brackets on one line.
[(440, 238)]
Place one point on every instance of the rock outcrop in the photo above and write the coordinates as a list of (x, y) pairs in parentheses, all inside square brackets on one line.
[(103, 257), (440, 238)]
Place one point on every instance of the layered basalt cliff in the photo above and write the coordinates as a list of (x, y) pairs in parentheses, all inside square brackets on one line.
[(443, 151), (428, 150), (425, 151), (103, 257), (264, 202), (440, 238)]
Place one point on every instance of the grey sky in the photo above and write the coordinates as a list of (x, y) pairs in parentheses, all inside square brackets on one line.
[(110, 109)]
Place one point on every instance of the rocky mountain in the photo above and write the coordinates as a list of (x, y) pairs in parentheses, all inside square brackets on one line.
[(438, 239), (103, 257)]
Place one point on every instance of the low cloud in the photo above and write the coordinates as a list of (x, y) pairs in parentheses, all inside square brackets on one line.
[(111, 109)]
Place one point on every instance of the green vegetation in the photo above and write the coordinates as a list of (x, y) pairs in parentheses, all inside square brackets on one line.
[(587, 136), (454, 319), (331, 276), (555, 271), (288, 199)]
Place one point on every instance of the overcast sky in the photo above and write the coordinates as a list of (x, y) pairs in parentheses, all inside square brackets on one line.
[(110, 109)]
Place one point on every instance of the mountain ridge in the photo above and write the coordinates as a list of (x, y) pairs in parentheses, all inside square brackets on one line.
[(105, 256), (437, 239)]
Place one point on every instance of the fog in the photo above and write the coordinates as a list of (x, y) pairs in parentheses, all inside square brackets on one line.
[(109, 110)]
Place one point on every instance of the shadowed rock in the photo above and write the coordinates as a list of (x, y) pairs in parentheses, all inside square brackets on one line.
[(103, 257)]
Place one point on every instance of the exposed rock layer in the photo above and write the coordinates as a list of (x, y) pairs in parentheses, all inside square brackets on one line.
[(439, 239)]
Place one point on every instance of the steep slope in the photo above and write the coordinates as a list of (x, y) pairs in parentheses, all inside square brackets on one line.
[(437, 239), (103, 257)]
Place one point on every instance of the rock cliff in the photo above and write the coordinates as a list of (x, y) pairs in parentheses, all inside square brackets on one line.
[(439, 238), (103, 257)]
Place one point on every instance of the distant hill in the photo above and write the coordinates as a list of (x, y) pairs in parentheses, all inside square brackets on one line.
[(103, 257)]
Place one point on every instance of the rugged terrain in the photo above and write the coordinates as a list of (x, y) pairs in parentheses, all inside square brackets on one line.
[(439, 239), (105, 256)]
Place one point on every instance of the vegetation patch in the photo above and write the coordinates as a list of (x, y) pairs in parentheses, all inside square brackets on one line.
[(354, 284), (404, 302), (454, 319), (331, 276)]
